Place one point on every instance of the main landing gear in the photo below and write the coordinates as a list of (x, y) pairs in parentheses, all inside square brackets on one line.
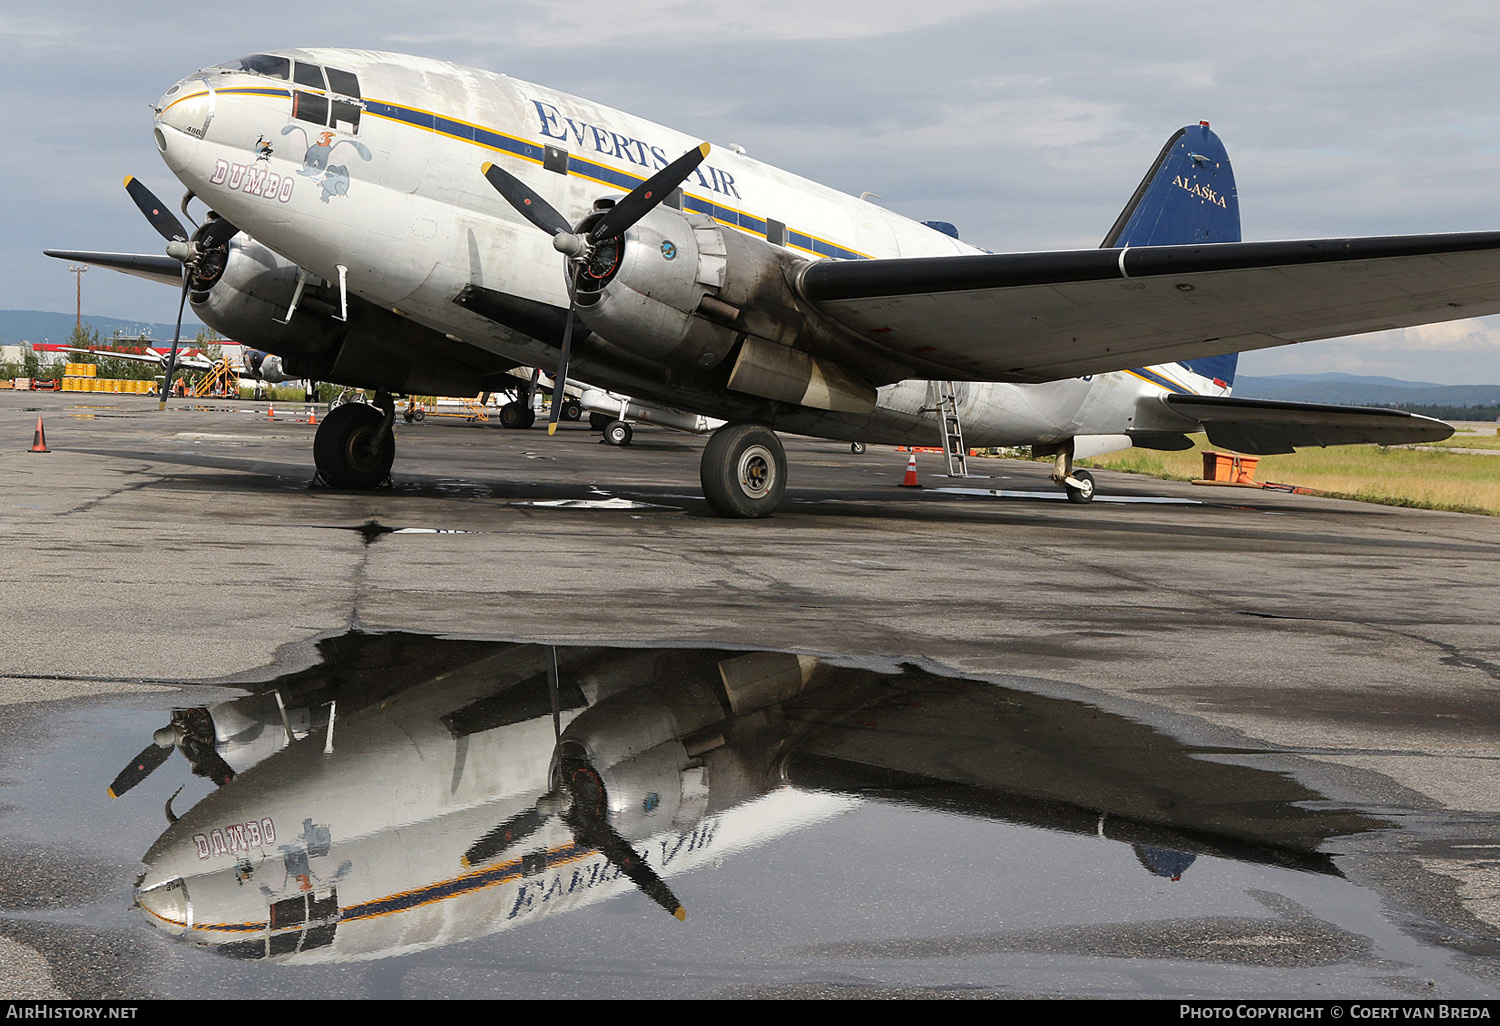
[(743, 471), (354, 447)]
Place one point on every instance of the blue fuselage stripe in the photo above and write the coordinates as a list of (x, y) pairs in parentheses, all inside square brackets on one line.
[(534, 152)]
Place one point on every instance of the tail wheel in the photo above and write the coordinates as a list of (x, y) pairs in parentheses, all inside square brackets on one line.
[(353, 448), (743, 471)]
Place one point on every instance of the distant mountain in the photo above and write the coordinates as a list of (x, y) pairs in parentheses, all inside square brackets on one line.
[(41, 326), (1355, 390)]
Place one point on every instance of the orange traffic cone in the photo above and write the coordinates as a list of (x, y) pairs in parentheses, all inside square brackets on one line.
[(312, 415), (39, 441), (910, 481), (270, 411)]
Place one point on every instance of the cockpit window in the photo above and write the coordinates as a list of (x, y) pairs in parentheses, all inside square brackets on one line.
[(343, 82), (261, 64), (309, 75)]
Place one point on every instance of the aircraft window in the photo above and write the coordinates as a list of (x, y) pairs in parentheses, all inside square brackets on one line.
[(775, 232), (554, 158), (343, 83), (262, 64), (323, 909), (345, 115), (319, 937), (310, 107), (288, 912), (309, 75)]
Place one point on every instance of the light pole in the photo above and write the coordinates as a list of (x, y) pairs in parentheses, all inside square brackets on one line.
[(78, 270)]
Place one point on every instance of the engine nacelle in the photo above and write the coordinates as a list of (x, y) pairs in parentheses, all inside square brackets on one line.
[(686, 291), (373, 348)]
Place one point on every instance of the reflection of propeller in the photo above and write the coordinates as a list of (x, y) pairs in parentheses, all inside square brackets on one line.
[(592, 249), (578, 797), (588, 815), (192, 731), (202, 256), (141, 767)]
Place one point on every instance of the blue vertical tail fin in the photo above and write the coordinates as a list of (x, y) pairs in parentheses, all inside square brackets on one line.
[(1188, 197)]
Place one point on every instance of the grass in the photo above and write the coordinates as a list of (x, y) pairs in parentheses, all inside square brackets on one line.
[(1428, 478)]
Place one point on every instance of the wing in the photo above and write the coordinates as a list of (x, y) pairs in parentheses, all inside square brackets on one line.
[(1043, 316), (184, 360), (1264, 427), (162, 268)]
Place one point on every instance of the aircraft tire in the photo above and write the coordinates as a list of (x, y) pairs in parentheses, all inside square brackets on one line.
[(599, 421), (345, 449), (743, 471), (858, 448), (516, 415), (618, 433), (572, 410), (1084, 494)]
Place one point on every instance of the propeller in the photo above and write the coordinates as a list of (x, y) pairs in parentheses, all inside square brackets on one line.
[(578, 797), (582, 247), (191, 731), (202, 255)]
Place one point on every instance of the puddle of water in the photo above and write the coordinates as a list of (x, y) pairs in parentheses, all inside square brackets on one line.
[(482, 819)]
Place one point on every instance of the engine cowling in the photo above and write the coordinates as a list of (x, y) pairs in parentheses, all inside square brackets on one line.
[(248, 299), (682, 289)]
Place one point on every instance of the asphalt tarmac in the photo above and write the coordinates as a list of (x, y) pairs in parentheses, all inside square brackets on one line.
[(1349, 647)]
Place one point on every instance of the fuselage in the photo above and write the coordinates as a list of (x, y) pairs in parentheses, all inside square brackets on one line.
[(364, 168)]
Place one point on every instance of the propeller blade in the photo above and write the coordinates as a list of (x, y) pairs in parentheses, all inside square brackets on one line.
[(527, 203), (216, 232), (152, 756), (514, 830), (597, 833), (558, 381), (588, 815), (166, 385), (640, 200), (156, 212)]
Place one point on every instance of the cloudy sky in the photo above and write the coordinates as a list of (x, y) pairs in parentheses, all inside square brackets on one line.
[(1026, 123)]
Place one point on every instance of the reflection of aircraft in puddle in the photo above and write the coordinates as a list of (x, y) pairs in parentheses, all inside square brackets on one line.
[(521, 781)]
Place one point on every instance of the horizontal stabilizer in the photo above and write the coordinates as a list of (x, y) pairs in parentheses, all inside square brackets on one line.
[(1264, 427), (155, 267)]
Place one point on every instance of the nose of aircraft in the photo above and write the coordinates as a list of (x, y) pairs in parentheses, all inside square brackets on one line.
[(183, 115), (166, 904)]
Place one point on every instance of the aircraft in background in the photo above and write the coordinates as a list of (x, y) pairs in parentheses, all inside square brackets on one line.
[(398, 224), (256, 370)]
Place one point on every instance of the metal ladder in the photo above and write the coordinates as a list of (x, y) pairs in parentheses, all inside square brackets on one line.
[(942, 398)]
